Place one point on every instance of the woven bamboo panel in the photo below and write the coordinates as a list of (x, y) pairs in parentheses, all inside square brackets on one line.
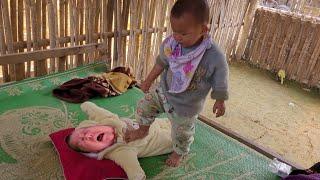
[(39, 37), (286, 41)]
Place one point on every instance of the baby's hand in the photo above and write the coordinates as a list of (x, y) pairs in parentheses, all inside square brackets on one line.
[(145, 85), (219, 108)]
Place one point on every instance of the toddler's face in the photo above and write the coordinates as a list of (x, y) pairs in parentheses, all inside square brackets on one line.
[(93, 139), (186, 30)]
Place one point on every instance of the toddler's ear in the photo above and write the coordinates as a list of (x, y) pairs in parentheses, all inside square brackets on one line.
[(205, 28)]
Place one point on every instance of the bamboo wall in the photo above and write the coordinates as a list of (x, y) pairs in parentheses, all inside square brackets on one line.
[(39, 37), (286, 41), (226, 22)]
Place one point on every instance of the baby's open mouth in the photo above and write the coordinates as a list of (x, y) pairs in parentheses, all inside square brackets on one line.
[(100, 137)]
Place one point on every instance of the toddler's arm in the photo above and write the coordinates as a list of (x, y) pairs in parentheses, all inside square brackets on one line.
[(155, 72), (220, 85), (160, 65)]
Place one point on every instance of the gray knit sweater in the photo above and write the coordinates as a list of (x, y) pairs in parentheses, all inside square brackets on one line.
[(212, 72)]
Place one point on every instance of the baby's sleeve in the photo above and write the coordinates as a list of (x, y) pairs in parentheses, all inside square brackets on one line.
[(161, 58), (102, 116), (127, 159), (220, 77)]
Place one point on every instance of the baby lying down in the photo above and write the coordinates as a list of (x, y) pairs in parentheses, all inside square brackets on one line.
[(102, 137)]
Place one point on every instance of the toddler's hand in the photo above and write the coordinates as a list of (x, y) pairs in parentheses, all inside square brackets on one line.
[(145, 85), (219, 108)]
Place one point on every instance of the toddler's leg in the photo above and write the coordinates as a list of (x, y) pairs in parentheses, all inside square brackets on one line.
[(147, 109), (182, 133)]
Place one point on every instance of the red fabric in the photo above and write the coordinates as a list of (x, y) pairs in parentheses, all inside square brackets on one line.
[(77, 166)]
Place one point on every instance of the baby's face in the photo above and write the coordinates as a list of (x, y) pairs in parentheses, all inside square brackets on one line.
[(93, 139), (186, 30)]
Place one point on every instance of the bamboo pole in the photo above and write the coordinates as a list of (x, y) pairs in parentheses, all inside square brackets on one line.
[(56, 14), (20, 68), (261, 32), (302, 61), (13, 20), (44, 20), (228, 24), (142, 55), (98, 14), (96, 37), (240, 20), (87, 5), (284, 24), (62, 62), (118, 27), (315, 75), (91, 27), (246, 28), (267, 40), (69, 59), (277, 34), (293, 69), (288, 36), (72, 29), (76, 28), (255, 32), (52, 33), (160, 23), (49, 53), (138, 37), (234, 11), (104, 27), (8, 36), (109, 24), (80, 23), (150, 19), (214, 18), (5, 70), (311, 50), (314, 57), (218, 33), (293, 50), (41, 66), (125, 18), (132, 36), (28, 31)]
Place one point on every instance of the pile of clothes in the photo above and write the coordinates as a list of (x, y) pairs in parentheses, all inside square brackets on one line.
[(112, 83)]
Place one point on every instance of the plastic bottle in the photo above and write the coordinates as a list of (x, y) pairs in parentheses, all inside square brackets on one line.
[(280, 168)]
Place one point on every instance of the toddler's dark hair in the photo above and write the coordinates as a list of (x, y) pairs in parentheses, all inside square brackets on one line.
[(199, 9)]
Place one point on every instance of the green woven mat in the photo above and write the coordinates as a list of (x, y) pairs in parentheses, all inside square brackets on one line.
[(29, 113)]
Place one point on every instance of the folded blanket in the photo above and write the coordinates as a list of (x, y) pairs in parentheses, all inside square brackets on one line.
[(113, 83)]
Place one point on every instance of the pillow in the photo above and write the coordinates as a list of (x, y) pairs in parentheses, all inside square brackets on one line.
[(77, 166)]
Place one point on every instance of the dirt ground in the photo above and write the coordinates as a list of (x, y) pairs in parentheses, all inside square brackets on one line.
[(284, 118)]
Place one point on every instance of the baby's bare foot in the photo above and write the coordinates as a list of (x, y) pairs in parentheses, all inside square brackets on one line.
[(131, 135), (174, 159)]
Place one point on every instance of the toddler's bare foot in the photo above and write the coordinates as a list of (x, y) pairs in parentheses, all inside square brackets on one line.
[(131, 135), (174, 159)]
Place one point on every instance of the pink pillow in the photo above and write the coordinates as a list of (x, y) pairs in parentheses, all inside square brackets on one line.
[(77, 166)]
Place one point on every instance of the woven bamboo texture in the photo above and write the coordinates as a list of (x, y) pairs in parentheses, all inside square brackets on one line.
[(39, 37), (286, 41)]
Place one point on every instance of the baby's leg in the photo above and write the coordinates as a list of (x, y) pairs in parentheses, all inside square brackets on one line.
[(183, 129), (147, 109)]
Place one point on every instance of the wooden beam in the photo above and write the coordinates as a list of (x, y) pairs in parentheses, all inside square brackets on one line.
[(50, 53), (67, 39)]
